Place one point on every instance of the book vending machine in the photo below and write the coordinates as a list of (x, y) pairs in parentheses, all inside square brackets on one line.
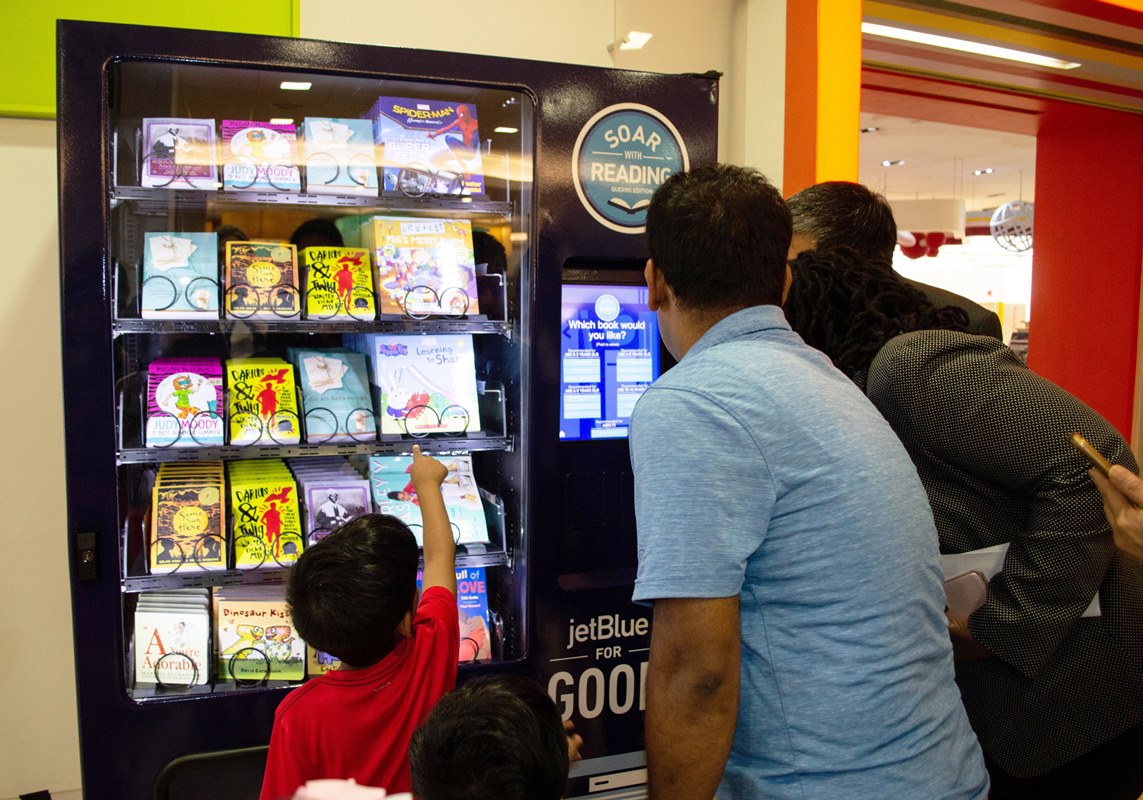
[(283, 264)]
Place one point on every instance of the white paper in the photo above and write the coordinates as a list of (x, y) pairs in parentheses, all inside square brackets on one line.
[(989, 560)]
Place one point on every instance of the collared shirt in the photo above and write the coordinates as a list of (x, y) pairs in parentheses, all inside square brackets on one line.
[(762, 472)]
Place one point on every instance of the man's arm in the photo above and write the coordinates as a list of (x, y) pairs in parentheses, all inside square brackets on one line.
[(692, 696), (1122, 497), (440, 548)]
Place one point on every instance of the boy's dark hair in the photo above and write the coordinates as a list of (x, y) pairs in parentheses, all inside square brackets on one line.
[(492, 738), (317, 232), (849, 307), (348, 592), (845, 214), (720, 234)]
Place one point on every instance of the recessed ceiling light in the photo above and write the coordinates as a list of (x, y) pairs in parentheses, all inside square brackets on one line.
[(966, 46), (633, 40), (503, 129), (281, 121), (297, 86), (897, 163), (985, 171)]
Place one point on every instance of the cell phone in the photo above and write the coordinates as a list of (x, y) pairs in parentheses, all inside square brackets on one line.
[(1094, 456), (965, 593)]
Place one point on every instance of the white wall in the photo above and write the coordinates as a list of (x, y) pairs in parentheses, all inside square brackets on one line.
[(38, 740), (39, 748)]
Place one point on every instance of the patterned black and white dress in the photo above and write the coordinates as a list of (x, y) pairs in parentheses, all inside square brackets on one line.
[(989, 439)]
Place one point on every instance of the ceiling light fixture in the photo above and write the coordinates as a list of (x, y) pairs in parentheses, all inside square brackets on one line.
[(869, 130), (898, 163), (503, 129), (985, 171), (633, 40), (281, 121), (297, 86), (966, 46)]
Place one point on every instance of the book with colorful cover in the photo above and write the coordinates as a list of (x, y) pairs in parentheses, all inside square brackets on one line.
[(262, 280), (180, 276), (428, 146), (339, 283), (332, 502), (184, 403), (187, 533), (267, 520), (336, 400), (426, 384), (179, 153), (260, 156), (472, 614), (172, 639), (319, 662), (255, 637), (424, 266), (391, 483), (340, 156), (263, 407)]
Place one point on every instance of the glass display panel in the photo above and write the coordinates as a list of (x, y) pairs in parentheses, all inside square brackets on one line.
[(309, 273)]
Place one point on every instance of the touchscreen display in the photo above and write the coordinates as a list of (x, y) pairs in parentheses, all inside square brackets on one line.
[(609, 346)]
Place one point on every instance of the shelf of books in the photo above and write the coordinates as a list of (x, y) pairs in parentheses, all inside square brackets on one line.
[(295, 303)]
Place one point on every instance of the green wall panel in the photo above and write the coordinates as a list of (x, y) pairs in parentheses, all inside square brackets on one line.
[(28, 57)]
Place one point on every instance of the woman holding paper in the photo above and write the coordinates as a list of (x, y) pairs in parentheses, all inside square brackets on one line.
[(1055, 697)]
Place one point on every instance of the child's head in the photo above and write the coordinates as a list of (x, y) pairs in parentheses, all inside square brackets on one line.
[(350, 592), (491, 739)]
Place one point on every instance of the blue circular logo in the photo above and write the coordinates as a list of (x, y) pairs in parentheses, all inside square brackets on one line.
[(622, 155)]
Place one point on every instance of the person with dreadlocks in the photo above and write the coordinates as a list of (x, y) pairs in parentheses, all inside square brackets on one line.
[(1055, 695)]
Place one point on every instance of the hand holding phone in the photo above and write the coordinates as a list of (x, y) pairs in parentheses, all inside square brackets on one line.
[(1094, 456)]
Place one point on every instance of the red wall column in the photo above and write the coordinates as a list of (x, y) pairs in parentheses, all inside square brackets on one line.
[(1088, 254)]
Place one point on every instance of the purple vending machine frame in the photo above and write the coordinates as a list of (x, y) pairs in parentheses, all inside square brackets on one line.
[(602, 139)]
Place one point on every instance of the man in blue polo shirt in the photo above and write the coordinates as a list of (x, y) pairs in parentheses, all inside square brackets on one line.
[(799, 645)]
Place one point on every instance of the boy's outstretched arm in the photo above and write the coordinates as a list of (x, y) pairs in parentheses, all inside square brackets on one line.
[(440, 548)]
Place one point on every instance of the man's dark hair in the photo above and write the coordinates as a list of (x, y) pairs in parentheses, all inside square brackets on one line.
[(844, 214), (720, 234), (348, 592), (849, 307), (492, 738)]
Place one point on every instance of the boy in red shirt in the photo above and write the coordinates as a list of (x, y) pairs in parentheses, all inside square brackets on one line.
[(354, 596)]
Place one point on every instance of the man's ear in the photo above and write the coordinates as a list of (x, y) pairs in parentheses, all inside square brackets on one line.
[(786, 286), (405, 626), (656, 285)]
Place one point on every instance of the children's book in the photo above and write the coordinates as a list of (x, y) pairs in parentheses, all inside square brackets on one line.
[(263, 402), (262, 280), (172, 639), (424, 266), (319, 662), (332, 502), (187, 513), (260, 156), (337, 405), (428, 146), (425, 384), (184, 407), (179, 153), (266, 514), (472, 613), (180, 276), (340, 156), (255, 637), (472, 605), (339, 283), (390, 481)]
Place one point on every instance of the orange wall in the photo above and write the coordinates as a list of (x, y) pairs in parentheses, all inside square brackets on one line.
[(1088, 254)]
